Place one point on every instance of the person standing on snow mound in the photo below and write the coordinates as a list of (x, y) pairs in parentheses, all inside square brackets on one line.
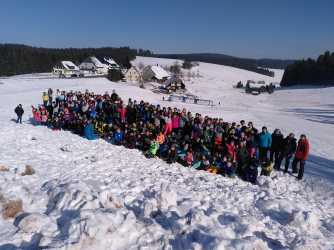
[(19, 112), (276, 147), (288, 149), (301, 155), (264, 144)]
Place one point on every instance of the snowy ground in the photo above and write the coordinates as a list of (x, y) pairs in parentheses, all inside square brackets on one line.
[(92, 195)]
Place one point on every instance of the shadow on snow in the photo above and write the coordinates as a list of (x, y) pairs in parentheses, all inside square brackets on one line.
[(320, 115)]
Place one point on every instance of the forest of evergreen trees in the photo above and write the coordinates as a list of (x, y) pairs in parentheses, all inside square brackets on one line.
[(311, 72), (21, 59)]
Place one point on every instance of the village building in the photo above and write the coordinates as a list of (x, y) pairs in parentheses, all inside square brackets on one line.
[(94, 65), (155, 74), (173, 84), (111, 64), (132, 74), (66, 69)]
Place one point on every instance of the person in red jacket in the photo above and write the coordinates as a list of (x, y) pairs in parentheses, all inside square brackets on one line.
[(231, 150), (301, 155), (122, 113)]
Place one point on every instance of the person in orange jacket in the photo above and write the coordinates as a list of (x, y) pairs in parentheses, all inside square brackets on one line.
[(301, 155), (160, 138)]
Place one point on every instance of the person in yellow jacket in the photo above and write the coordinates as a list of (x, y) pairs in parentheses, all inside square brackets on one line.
[(45, 98)]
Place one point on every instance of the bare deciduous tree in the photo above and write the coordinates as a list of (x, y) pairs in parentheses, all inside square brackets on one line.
[(141, 65), (189, 75)]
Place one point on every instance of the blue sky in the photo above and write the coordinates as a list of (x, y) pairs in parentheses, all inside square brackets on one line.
[(284, 29)]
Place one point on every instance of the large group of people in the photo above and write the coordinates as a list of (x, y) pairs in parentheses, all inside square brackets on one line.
[(175, 135)]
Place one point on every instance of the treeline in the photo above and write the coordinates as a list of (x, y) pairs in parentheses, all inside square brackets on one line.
[(311, 72), (21, 59), (256, 65)]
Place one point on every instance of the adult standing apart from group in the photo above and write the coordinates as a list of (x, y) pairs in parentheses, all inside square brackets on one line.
[(19, 112), (301, 155), (264, 144)]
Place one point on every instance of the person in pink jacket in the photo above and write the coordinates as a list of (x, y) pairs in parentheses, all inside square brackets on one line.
[(122, 113), (36, 115), (169, 125), (44, 117), (175, 122)]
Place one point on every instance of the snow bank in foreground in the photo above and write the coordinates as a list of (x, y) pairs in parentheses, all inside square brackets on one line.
[(93, 195)]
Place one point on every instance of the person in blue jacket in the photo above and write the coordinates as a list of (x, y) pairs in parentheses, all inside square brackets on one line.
[(264, 144), (118, 137), (89, 131)]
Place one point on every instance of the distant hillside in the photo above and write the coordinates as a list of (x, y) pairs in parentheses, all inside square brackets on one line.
[(255, 65), (311, 72), (21, 59)]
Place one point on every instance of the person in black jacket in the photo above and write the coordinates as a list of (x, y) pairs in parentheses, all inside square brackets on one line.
[(288, 150), (19, 112), (276, 147)]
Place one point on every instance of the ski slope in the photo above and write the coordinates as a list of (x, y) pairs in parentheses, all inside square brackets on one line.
[(93, 195)]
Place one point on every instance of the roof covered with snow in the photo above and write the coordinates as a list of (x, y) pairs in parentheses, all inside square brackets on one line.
[(69, 65), (159, 72), (173, 79), (109, 60), (95, 61)]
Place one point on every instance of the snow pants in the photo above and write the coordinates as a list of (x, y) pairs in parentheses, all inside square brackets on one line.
[(263, 154), (274, 157), (19, 119), (301, 167), (287, 162)]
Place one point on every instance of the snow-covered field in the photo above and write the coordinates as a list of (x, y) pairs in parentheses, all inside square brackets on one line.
[(93, 195)]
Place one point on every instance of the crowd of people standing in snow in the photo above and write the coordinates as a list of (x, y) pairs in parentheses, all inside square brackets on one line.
[(193, 140)]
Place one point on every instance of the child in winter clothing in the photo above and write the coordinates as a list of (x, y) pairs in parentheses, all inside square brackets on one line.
[(153, 149), (45, 98), (230, 168), (118, 137), (172, 155), (168, 125), (252, 171), (189, 158), (267, 168)]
